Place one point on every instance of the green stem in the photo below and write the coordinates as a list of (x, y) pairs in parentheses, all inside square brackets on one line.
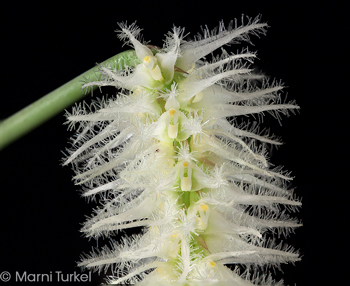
[(53, 103)]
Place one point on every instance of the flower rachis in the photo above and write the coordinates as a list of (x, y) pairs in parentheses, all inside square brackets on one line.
[(164, 156)]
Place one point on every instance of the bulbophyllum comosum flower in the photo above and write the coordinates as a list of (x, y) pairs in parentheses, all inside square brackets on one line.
[(167, 154)]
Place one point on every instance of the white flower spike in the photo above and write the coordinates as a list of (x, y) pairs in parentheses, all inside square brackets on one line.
[(164, 156)]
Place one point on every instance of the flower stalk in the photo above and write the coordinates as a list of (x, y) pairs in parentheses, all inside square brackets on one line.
[(54, 102), (168, 154)]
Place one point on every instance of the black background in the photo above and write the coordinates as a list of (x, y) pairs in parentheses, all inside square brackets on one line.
[(46, 45)]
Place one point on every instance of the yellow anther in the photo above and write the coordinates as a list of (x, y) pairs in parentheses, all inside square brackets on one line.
[(136, 92), (185, 164), (146, 59), (172, 112), (174, 235), (204, 207), (212, 263)]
